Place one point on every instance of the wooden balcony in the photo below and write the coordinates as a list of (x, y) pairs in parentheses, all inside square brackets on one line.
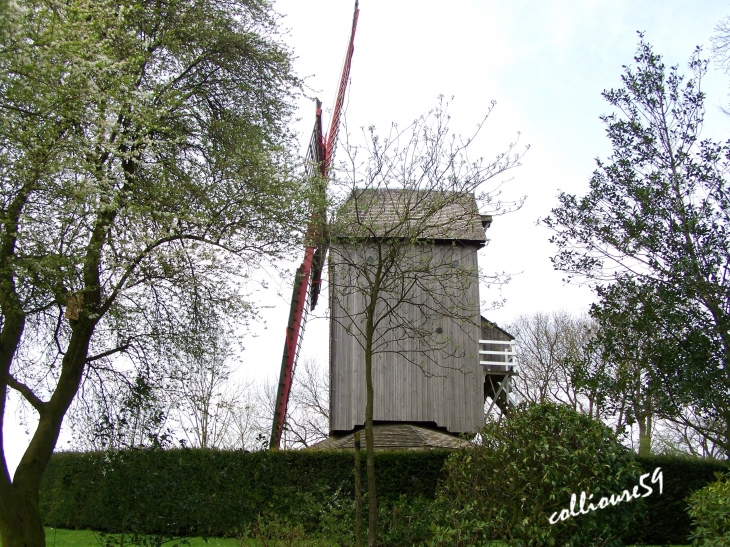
[(497, 356)]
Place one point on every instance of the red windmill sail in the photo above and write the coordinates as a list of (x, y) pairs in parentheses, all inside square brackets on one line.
[(308, 277)]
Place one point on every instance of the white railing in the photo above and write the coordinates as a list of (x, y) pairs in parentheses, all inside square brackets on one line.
[(508, 353)]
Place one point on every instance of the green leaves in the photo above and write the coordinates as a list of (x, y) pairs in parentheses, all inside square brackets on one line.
[(710, 511), (653, 231), (145, 167), (144, 150), (526, 468)]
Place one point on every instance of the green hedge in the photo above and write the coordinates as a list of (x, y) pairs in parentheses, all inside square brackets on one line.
[(215, 492), (666, 520)]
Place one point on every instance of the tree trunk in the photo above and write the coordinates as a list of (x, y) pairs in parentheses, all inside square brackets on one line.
[(18, 526), (724, 440), (358, 493), (20, 521), (20, 517), (620, 424), (369, 441), (644, 435), (590, 405), (21, 525)]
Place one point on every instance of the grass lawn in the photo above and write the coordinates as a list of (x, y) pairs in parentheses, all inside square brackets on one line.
[(58, 537)]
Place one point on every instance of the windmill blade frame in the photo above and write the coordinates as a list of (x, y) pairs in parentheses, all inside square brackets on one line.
[(308, 278)]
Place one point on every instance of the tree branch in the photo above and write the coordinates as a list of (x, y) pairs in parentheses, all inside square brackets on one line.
[(26, 392), (118, 349)]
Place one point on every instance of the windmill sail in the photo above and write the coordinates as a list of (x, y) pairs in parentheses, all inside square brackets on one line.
[(308, 278)]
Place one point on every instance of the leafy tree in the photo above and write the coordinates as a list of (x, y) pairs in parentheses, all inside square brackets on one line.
[(654, 229), (628, 381), (391, 285), (143, 166)]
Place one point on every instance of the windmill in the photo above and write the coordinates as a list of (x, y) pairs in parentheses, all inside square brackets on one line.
[(308, 277), (435, 361)]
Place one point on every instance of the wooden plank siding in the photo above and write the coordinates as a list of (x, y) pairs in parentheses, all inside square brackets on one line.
[(413, 382)]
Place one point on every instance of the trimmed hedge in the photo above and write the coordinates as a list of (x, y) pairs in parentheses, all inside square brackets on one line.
[(666, 520), (207, 492)]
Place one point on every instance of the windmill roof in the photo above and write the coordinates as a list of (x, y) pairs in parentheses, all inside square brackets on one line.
[(410, 214), (395, 436)]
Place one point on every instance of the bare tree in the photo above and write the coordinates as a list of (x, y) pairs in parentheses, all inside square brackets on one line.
[(402, 285), (307, 418), (549, 344), (207, 400), (251, 421), (562, 359), (721, 46), (308, 415), (198, 404), (595, 367), (682, 436)]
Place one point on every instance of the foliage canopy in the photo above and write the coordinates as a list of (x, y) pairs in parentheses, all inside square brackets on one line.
[(653, 236), (143, 164)]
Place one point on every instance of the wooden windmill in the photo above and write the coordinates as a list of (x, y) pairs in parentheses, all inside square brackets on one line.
[(432, 379), (437, 358)]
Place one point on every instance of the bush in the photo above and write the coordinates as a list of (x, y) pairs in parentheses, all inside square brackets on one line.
[(406, 522), (522, 476), (666, 521), (210, 492), (710, 511), (181, 492)]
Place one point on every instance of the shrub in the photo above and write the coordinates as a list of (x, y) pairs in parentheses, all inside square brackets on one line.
[(405, 522), (710, 511), (210, 492), (199, 492), (666, 521), (525, 471)]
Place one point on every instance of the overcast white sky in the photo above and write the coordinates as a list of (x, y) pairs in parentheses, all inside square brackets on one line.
[(545, 63)]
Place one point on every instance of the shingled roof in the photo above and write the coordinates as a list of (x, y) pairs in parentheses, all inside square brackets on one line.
[(410, 214), (396, 436)]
